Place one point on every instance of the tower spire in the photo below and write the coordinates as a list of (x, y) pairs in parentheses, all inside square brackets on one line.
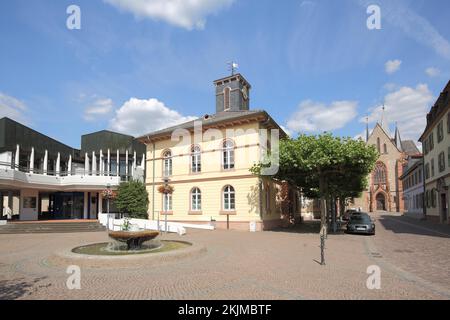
[(384, 122), (367, 128), (397, 138)]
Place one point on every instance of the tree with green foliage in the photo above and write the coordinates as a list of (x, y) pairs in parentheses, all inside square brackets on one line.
[(324, 166), (132, 199)]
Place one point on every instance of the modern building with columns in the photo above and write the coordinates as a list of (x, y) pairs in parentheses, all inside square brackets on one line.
[(44, 179)]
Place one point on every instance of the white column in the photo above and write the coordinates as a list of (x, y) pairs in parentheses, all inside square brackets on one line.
[(108, 163), (143, 161), (16, 160), (45, 162), (134, 164), (100, 162), (86, 164), (126, 164), (86, 204), (69, 166), (94, 164), (58, 164), (118, 162), (32, 160), (100, 203)]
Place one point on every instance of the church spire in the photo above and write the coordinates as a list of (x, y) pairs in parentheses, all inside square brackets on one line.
[(384, 122), (367, 129), (398, 139)]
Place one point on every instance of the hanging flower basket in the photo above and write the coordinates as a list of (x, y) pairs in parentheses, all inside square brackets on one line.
[(166, 189), (109, 194)]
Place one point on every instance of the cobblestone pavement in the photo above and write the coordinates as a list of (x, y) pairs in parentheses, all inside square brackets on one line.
[(413, 256)]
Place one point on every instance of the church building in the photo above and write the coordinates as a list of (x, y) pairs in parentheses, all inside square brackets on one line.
[(385, 190)]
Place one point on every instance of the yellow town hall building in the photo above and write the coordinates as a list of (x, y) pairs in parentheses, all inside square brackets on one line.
[(206, 163)]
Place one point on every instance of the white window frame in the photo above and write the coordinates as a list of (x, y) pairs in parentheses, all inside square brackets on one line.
[(228, 194), (196, 199), (228, 155), (167, 202), (167, 163), (196, 159)]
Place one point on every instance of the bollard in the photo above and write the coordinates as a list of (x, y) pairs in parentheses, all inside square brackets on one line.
[(322, 250)]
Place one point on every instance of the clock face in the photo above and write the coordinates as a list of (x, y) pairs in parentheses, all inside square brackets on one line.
[(245, 93)]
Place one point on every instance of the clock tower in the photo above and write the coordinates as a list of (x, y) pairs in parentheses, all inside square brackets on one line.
[(232, 94)]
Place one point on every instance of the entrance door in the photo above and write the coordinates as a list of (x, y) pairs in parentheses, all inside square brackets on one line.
[(444, 207), (68, 206), (381, 202)]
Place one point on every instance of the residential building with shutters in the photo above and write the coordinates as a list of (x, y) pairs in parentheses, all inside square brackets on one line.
[(436, 148)]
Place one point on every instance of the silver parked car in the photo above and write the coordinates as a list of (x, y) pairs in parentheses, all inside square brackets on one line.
[(361, 223)]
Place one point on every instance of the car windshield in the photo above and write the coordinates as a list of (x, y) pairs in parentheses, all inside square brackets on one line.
[(360, 218)]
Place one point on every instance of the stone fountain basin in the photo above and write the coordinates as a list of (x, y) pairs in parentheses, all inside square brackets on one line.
[(133, 239)]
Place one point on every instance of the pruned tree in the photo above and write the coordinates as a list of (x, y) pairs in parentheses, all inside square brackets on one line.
[(324, 166)]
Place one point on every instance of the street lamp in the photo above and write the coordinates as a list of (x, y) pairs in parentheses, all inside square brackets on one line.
[(108, 188)]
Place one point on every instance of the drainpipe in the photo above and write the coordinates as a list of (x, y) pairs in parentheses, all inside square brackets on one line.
[(153, 183)]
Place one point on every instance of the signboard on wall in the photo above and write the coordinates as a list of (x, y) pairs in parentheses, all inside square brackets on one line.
[(29, 203)]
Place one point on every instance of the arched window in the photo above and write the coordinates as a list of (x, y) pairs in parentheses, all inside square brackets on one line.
[(228, 155), (385, 148), (378, 145), (196, 159), (167, 202), (229, 201), (167, 163), (379, 174), (226, 98), (196, 200)]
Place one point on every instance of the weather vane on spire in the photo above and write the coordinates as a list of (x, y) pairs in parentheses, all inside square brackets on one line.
[(233, 66)]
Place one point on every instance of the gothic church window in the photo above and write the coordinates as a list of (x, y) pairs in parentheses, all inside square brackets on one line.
[(379, 175)]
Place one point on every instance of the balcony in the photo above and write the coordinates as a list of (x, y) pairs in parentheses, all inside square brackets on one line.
[(15, 176)]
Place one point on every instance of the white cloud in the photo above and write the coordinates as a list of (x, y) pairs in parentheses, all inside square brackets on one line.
[(188, 14), (12, 108), (317, 117), (98, 108), (408, 107), (432, 72), (137, 117), (392, 66)]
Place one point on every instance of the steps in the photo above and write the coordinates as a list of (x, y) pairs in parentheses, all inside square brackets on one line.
[(51, 227)]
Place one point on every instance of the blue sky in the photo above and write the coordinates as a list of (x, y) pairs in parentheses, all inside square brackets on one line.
[(139, 65)]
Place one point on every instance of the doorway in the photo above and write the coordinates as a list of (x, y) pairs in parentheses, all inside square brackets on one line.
[(444, 208), (61, 205), (381, 202)]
